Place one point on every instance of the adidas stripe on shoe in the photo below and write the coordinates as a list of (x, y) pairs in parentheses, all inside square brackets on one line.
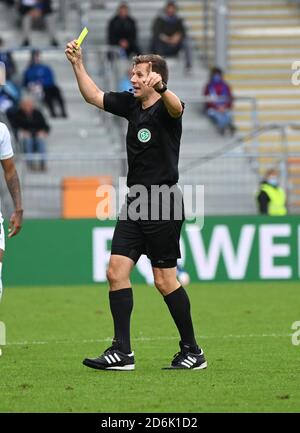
[(187, 360), (111, 359)]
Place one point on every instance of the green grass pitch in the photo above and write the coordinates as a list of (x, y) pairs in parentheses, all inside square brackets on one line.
[(244, 328)]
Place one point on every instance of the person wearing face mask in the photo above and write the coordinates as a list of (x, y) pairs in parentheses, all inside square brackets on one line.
[(271, 198), (219, 101)]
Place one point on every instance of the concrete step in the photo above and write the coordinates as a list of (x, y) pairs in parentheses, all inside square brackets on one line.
[(258, 43), (83, 129), (270, 3), (246, 112), (267, 96), (287, 37), (269, 117), (283, 86), (265, 21), (277, 147), (261, 50), (263, 60), (264, 8), (277, 79), (267, 107), (258, 77)]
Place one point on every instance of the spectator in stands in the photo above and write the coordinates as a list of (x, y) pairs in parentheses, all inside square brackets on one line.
[(37, 10), (219, 101), (39, 79), (10, 92), (271, 198), (122, 32), (169, 34), (32, 131), (10, 95), (7, 58)]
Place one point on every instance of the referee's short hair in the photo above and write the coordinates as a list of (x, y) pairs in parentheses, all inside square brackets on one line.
[(159, 65)]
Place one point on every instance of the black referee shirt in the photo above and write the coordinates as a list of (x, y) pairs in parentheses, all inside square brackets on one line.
[(152, 140)]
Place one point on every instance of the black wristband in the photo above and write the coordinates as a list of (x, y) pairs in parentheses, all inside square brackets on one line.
[(163, 89)]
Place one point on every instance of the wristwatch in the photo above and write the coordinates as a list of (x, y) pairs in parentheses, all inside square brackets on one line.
[(163, 89)]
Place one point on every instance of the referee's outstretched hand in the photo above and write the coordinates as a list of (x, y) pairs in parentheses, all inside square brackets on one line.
[(154, 79), (73, 52)]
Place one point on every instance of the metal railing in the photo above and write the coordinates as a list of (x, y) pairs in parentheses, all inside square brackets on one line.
[(230, 174), (221, 33), (280, 160), (111, 71), (255, 124), (208, 33), (240, 141), (215, 33), (236, 159), (230, 179)]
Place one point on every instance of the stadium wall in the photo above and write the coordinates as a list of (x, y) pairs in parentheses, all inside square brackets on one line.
[(227, 248)]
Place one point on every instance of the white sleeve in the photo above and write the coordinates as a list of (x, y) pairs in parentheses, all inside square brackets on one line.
[(6, 150)]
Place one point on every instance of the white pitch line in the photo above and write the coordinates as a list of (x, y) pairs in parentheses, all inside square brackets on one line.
[(109, 339)]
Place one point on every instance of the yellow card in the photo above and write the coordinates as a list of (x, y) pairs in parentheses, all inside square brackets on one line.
[(82, 36)]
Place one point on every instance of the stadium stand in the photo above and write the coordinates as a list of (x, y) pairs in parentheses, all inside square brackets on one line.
[(264, 38), (199, 138), (87, 131)]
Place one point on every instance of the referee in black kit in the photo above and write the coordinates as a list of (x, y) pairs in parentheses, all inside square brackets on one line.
[(154, 117)]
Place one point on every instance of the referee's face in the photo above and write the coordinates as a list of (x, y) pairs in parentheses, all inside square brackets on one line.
[(138, 77)]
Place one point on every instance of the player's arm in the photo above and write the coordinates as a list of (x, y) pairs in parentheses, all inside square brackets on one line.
[(13, 185), (89, 90), (171, 101)]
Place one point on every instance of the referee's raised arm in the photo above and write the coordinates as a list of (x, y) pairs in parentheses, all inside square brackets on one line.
[(91, 93), (171, 101)]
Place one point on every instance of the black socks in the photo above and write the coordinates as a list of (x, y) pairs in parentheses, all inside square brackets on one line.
[(180, 309), (121, 304)]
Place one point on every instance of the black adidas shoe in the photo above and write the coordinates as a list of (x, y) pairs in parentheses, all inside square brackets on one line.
[(186, 359), (112, 359)]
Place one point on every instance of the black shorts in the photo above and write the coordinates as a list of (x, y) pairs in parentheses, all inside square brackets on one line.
[(157, 238)]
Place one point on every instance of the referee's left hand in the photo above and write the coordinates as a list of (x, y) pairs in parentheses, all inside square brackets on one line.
[(154, 79)]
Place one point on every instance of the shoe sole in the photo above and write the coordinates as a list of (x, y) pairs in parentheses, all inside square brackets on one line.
[(201, 367), (119, 368), (124, 368)]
